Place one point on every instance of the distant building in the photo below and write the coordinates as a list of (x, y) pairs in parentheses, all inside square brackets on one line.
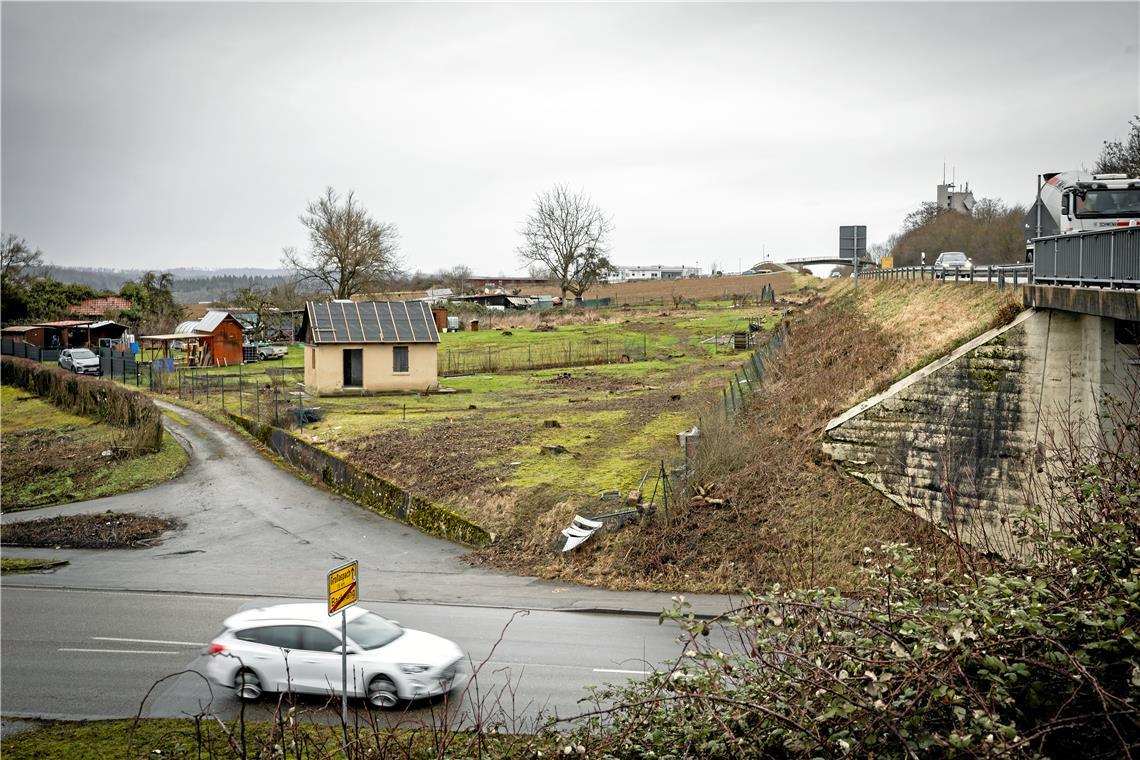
[(479, 283), (97, 307), (961, 201), (658, 272)]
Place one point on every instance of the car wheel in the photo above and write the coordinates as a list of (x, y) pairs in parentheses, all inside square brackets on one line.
[(382, 693), (247, 685)]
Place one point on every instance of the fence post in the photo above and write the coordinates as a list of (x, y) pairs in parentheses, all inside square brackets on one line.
[(257, 400), (241, 393), (223, 379)]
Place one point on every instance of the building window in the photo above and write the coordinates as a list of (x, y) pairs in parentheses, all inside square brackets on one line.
[(399, 358), (313, 361)]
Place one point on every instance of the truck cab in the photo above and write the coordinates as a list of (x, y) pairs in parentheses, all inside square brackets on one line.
[(1081, 202)]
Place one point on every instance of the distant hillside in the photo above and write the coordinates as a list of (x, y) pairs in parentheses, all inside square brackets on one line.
[(190, 285)]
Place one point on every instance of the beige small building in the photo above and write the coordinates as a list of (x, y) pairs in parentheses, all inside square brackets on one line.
[(369, 347)]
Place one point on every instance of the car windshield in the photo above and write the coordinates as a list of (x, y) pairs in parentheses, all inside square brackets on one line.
[(370, 631), (82, 353), (1108, 203), (952, 258)]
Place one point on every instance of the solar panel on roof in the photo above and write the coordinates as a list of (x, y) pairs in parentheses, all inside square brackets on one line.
[(371, 322)]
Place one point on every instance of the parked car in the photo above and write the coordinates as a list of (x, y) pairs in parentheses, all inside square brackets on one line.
[(270, 351), (81, 361), (952, 260), (386, 662)]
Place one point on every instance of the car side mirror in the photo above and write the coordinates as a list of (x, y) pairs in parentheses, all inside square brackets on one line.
[(351, 650)]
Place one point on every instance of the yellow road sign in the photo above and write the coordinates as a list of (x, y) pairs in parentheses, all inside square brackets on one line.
[(343, 587)]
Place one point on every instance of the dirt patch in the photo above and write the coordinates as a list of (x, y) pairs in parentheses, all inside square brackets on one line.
[(460, 463), (109, 530)]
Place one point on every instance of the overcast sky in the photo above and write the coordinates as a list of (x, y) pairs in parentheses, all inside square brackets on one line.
[(162, 135)]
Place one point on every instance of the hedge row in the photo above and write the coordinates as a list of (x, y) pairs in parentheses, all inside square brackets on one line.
[(101, 399)]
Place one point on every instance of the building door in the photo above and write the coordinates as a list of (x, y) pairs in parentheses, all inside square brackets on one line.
[(354, 368)]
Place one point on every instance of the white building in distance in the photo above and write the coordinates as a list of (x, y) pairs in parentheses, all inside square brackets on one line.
[(636, 274)]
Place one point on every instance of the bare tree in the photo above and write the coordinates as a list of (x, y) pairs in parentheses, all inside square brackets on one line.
[(351, 252), (569, 236), (456, 279), (1121, 156), (17, 258)]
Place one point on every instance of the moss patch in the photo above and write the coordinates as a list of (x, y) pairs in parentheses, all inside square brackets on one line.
[(17, 565)]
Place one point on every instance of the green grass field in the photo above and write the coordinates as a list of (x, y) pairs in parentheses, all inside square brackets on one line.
[(51, 456)]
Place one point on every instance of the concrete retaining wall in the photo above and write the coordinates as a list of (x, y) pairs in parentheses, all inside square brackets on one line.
[(958, 441), (365, 488)]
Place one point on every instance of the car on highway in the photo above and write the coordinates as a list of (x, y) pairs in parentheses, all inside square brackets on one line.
[(952, 261), (297, 648), (81, 361)]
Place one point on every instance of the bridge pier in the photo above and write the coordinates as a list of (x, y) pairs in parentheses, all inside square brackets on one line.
[(962, 441)]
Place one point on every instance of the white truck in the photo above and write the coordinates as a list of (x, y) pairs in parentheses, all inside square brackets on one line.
[(1077, 201)]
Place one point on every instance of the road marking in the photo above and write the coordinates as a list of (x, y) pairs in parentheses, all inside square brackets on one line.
[(149, 641), (115, 651), (492, 664)]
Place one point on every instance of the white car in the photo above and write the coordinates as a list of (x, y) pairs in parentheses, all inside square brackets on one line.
[(81, 361), (296, 647), (952, 260)]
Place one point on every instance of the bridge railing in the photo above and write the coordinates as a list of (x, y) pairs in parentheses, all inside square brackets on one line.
[(1106, 258), (1000, 275)]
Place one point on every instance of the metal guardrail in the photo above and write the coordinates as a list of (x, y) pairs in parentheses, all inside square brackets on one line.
[(1105, 258), (1017, 274)]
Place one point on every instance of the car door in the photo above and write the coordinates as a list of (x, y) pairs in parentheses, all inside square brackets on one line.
[(269, 650), (315, 666), (65, 360)]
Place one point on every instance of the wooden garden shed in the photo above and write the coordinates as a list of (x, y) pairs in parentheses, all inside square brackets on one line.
[(220, 337)]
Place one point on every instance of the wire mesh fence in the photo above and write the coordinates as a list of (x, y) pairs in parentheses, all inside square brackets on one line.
[(271, 394), (546, 355), (747, 381)]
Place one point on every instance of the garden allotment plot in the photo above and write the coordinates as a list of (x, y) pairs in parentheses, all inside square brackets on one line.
[(504, 447)]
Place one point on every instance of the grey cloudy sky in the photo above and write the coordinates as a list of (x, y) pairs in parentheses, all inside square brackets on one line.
[(161, 134)]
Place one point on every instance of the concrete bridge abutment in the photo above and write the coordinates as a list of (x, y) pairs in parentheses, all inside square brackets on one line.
[(961, 441)]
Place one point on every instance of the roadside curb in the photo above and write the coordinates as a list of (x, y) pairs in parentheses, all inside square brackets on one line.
[(500, 605)]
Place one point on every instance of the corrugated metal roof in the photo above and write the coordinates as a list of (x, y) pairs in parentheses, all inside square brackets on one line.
[(371, 322), (65, 323), (210, 322), (186, 327)]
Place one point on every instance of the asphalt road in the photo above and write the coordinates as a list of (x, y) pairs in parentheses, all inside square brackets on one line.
[(90, 639), (95, 654)]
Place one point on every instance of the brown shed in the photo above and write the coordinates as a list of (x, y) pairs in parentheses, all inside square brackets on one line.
[(221, 337), (27, 333)]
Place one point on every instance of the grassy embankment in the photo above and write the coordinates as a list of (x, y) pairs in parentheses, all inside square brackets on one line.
[(51, 456), (791, 516)]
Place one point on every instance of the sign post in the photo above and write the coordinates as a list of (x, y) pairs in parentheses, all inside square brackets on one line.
[(853, 244), (343, 591)]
